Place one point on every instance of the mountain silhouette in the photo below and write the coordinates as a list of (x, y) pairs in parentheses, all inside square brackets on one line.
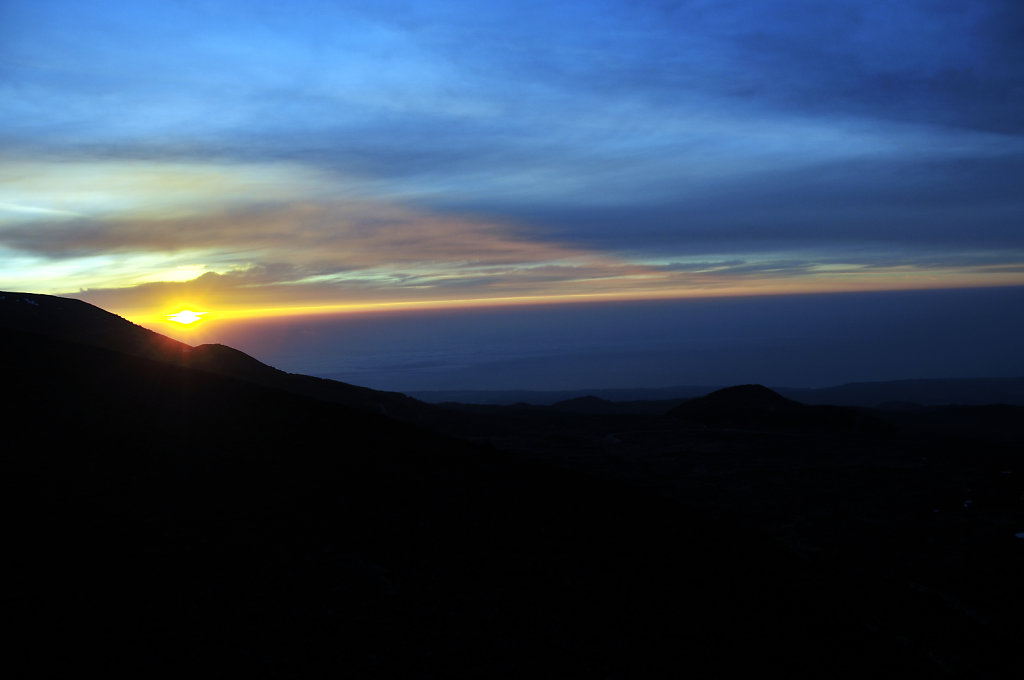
[(79, 322), (76, 321), (740, 406), (755, 397), (169, 508), (758, 407), (162, 517)]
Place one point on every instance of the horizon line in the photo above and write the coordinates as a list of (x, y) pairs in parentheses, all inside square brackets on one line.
[(255, 313)]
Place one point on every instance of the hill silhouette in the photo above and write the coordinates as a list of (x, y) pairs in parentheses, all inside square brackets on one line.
[(162, 518), (757, 407), (76, 321), (930, 392), (79, 322), (754, 398), (168, 509)]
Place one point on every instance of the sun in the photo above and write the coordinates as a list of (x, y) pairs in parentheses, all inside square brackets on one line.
[(186, 316)]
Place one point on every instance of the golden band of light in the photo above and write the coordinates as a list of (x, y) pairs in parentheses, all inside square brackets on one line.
[(775, 288)]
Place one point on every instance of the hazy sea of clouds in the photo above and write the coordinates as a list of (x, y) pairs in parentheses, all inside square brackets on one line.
[(799, 341)]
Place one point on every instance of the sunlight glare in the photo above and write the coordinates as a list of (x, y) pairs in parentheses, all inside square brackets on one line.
[(186, 316)]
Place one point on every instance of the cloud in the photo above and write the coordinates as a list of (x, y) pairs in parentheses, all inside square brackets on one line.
[(347, 235), (238, 252), (284, 286), (849, 58), (393, 150)]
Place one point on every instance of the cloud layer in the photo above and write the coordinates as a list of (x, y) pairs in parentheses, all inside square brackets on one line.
[(402, 151)]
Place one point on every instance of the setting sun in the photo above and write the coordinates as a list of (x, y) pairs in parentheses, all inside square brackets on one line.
[(186, 316)]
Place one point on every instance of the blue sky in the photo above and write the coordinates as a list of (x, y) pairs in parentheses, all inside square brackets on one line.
[(289, 156)]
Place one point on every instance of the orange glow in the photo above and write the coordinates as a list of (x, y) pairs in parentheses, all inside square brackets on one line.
[(736, 288)]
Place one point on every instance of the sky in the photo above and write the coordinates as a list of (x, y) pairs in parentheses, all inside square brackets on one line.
[(778, 340), (252, 159)]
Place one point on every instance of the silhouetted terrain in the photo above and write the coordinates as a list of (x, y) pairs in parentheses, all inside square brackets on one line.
[(932, 392), (174, 511)]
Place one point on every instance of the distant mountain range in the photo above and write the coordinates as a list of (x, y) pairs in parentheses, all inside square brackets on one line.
[(923, 392), (172, 510)]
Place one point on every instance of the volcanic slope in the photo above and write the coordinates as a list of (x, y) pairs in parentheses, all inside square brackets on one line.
[(169, 509), (162, 519), (76, 321)]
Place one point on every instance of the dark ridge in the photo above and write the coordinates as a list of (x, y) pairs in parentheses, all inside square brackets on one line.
[(592, 405), (748, 396), (549, 397), (76, 321), (588, 404), (757, 407), (926, 392), (739, 406), (201, 513), (228, 360), (160, 519), (589, 400)]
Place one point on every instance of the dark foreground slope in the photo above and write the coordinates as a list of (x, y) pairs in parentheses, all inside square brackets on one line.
[(909, 520), (162, 520), (79, 322)]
